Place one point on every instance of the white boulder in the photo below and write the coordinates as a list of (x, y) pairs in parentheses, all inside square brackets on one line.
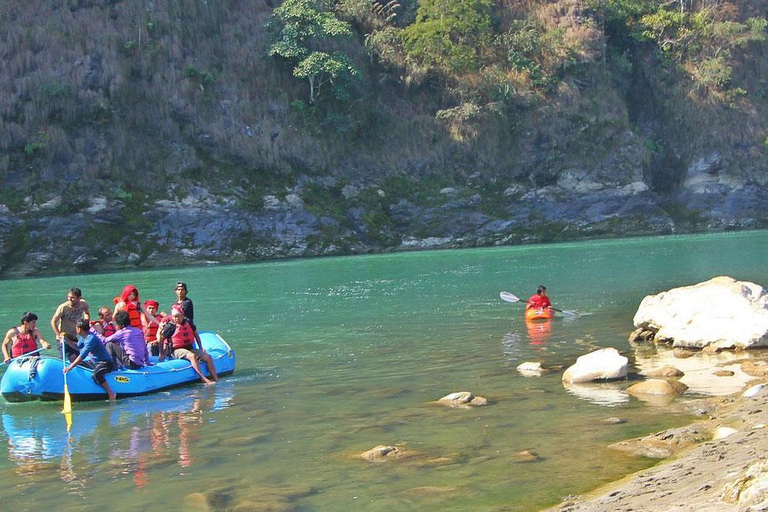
[(721, 312), (603, 364)]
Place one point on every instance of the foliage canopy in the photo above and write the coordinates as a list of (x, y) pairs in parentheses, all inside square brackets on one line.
[(303, 31)]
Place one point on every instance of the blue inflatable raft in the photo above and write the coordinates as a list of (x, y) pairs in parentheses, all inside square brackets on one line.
[(46, 381)]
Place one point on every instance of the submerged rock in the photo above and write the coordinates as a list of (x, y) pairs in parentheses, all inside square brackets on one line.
[(722, 312), (463, 399), (383, 453), (603, 364), (527, 456)]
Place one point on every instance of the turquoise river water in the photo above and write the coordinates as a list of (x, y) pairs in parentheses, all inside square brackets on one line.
[(338, 355)]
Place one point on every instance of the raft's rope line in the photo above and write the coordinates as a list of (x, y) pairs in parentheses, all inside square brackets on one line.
[(172, 370)]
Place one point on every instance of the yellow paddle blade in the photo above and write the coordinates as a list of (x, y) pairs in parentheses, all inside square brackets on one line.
[(68, 417), (67, 401)]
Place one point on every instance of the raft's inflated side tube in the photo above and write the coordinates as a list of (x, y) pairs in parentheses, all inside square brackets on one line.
[(539, 314), (47, 382)]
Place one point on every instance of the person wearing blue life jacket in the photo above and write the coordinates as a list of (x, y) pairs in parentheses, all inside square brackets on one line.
[(101, 361)]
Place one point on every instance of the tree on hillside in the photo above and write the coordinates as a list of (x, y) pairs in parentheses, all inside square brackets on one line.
[(304, 33), (450, 34)]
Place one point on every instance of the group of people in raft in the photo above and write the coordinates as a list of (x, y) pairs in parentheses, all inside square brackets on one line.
[(121, 339)]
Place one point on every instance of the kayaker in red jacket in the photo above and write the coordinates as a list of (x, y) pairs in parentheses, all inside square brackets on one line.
[(539, 300)]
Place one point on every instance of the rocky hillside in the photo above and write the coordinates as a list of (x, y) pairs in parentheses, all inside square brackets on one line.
[(151, 133)]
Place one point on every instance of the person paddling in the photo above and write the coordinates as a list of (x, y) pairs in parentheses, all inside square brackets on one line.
[(539, 300), (101, 361)]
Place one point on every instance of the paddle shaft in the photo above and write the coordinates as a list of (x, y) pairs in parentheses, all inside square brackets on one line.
[(22, 355), (548, 307), (509, 297), (67, 409)]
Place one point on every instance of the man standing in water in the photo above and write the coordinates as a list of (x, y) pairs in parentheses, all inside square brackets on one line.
[(539, 300), (65, 320)]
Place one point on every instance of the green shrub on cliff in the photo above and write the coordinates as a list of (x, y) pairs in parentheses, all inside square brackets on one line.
[(701, 42), (450, 35)]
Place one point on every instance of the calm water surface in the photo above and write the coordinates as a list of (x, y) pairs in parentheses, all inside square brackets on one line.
[(338, 355)]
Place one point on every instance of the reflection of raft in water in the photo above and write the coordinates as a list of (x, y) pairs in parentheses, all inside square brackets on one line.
[(37, 435), (47, 381)]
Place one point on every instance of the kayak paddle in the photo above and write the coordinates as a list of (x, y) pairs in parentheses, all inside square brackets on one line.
[(508, 297)]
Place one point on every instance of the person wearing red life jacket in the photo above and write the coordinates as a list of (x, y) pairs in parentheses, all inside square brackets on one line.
[(150, 328), (23, 339), (182, 341), (104, 325), (539, 300), (129, 302)]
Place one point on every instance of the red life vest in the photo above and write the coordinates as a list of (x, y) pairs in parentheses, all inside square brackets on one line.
[(25, 342), (150, 330), (132, 308), (538, 302), (109, 328), (184, 337)]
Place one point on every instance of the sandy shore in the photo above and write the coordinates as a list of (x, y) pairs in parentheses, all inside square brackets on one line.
[(728, 474)]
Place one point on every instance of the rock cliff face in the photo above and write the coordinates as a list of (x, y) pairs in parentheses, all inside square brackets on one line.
[(204, 227), (165, 137)]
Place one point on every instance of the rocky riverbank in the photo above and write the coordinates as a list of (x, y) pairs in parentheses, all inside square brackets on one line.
[(728, 472)]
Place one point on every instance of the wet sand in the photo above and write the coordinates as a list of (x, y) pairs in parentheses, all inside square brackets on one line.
[(710, 475)]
